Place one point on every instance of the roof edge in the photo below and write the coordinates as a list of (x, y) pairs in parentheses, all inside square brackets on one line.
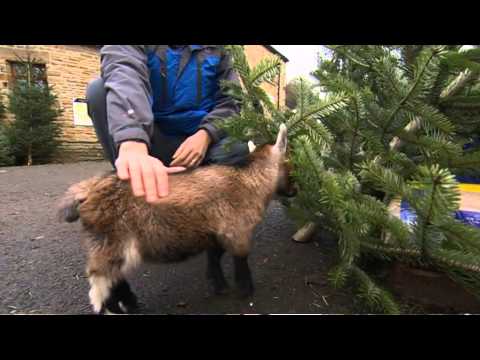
[(276, 52)]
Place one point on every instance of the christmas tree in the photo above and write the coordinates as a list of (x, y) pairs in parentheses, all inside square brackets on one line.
[(34, 132), (6, 158), (396, 122)]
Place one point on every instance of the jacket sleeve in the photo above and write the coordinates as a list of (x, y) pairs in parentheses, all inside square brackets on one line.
[(225, 105), (124, 69)]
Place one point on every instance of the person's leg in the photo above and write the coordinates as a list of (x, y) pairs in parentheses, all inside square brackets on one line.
[(226, 152), (97, 110), (164, 146)]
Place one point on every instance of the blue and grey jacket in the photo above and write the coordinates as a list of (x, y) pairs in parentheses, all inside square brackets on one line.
[(178, 89)]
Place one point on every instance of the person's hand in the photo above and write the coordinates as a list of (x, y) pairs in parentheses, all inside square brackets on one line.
[(192, 151), (148, 176)]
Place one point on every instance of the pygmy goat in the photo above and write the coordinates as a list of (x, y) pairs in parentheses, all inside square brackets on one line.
[(213, 208)]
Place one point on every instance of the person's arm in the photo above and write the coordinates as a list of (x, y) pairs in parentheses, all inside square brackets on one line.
[(126, 76), (225, 105)]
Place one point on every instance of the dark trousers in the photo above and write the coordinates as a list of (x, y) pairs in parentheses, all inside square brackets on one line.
[(162, 146)]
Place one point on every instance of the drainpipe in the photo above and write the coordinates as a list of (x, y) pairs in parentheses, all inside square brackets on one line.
[(278, 88)]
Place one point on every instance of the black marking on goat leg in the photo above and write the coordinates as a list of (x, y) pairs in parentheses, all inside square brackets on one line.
[(124, 294), (243, 277), (215, 278), (120, 292), (111, 305)]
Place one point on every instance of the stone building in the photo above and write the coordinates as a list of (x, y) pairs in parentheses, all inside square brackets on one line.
[(69, 68)]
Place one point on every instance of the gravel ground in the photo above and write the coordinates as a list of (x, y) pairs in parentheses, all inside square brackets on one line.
[(42, 262)]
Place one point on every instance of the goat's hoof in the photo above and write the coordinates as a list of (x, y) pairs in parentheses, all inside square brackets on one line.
[(121, 307), (110, 311), (128, 308), (218, 288), (245, 291)]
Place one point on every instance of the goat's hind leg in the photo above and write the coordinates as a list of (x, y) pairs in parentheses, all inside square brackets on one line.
[(240, 247), (111, 294), (215, 277), (101, 294), (122, 299), (109, 291), (243, 277)]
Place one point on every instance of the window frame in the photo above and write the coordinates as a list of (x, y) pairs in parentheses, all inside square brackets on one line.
[(14, 77)]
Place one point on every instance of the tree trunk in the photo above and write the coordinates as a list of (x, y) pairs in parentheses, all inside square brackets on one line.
[(29, 160), (29, 153)]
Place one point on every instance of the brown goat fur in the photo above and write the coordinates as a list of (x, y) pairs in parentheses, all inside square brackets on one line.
[(212, 207)]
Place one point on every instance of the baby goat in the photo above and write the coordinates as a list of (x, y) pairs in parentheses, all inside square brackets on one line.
[(213, 208)]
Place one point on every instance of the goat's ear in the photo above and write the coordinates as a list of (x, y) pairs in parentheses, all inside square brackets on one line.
[(281, 143)]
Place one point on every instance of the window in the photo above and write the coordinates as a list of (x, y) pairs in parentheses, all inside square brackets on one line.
[(20, 74)]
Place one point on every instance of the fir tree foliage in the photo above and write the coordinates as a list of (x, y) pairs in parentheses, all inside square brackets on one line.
[(384, 132), (33, 134), (294, 87), (6, 158)]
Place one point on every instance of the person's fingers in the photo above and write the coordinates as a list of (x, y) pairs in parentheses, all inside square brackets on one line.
[(149, 182), (179, 150), (161, 179), (175, 169), (122, 169), (195, 161), (187, 161), (136, 178), (180, 160), (201, 158)]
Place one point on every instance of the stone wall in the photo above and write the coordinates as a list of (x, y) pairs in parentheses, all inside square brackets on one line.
[(69, 69), (254, 54)]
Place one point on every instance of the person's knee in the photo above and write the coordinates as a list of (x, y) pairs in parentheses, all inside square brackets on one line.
[(227, 152), (96, 96)]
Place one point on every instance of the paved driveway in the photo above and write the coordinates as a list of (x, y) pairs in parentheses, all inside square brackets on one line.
[(42, 262)]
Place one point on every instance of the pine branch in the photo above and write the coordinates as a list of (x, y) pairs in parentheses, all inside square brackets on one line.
[(396, 251), (458, 84), (416, 83), (466, 161), (376, 297), (355, 135), (457, 259), (348, 55), (346, 157), (265, 71)]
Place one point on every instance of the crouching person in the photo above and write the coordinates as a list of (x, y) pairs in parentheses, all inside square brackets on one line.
[(153, 108)]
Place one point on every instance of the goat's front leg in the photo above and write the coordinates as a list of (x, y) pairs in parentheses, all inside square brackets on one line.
[(216, 280), (243, 276)]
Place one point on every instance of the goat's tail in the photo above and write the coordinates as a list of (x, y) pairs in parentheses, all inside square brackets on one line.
[(75, 195)]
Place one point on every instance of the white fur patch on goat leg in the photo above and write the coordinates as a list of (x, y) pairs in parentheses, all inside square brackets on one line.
[(100, 289), (131, 256)]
